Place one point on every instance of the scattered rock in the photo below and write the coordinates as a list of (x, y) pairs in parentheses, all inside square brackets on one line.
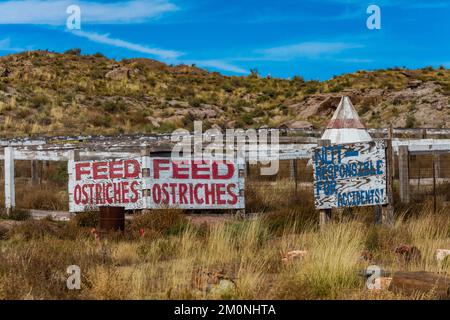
[(176, 103), (119, 73), (153, 121), (297, 124), (366, 256), (212, 282), (201, 113), (414, 84), (230, 124), (442, 254), (294, 255)]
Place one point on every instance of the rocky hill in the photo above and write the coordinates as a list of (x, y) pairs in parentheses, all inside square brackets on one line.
[(50, 93)]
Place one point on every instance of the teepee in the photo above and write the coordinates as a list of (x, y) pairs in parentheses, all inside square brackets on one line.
[(345, 125)]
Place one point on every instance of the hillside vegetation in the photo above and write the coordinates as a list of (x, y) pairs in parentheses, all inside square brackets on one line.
[(50, 93)]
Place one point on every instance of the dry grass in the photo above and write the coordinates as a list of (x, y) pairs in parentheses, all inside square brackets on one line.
[(175, 259)]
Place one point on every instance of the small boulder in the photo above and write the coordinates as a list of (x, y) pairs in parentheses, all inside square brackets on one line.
[(297, 124), (119, 73), (294, 255)]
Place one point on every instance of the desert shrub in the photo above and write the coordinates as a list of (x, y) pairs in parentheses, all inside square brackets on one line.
[(336, 88), (44, 197), (34, 229), (88, 219), (73, 52), (38, 101), (19, 215), (163, 222), (59, 174), (410, 121)]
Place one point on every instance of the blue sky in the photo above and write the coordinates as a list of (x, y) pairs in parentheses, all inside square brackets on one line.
[(312, 38)]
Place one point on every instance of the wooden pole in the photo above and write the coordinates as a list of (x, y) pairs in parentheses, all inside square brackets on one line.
[(293, 165), (324, 214), (10, 196), (391, 137), (35, 180), (403, 173), (434, 183), (437, 164), (388, 210), (145, 152), (74, 155)]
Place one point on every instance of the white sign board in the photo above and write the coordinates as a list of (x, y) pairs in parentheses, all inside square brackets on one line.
[(149, 183), (350, 175)]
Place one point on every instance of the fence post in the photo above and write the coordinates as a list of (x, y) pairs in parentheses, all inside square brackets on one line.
[(10, 196), (35, 179), (403, 174), (293, 172), (435, 161), (437, 165), (387, 217), (324, 214), (74, 155), (392, 157), (145, 152)]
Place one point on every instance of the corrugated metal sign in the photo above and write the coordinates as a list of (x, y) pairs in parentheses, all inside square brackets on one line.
[(349, 175), (147, 183)]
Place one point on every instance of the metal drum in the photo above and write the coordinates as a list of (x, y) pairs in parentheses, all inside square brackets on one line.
[(112, 218)]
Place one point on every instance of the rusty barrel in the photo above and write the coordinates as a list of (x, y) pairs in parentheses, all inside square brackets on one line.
[(112, 219)]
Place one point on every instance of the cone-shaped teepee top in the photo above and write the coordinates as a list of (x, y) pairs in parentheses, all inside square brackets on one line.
[(345, 125)]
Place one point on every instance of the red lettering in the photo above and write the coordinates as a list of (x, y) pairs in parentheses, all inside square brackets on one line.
[(234, 198), (166, 194), (134, 190), (220, 192), (157, 166), (98, 168), (172, 188), (182, 193), (115, 169), (79, 169), (177, 171), (125, 192), (85, 195), (197, 186), (156, 193), (108, 193), (196, 170), (98, 193), (227, 175), (77, 194), (136, 169), (116, 191), (209, 193)]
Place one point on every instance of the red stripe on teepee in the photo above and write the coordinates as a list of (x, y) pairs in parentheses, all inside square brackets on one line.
[(345, 123)]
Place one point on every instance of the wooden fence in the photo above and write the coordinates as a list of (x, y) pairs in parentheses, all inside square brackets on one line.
[(294, 145)]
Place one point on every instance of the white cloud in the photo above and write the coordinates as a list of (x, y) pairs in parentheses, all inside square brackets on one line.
[(306, 50), (221, 65), (168, 56), (106, 39), (5, 45), (54, 12)]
